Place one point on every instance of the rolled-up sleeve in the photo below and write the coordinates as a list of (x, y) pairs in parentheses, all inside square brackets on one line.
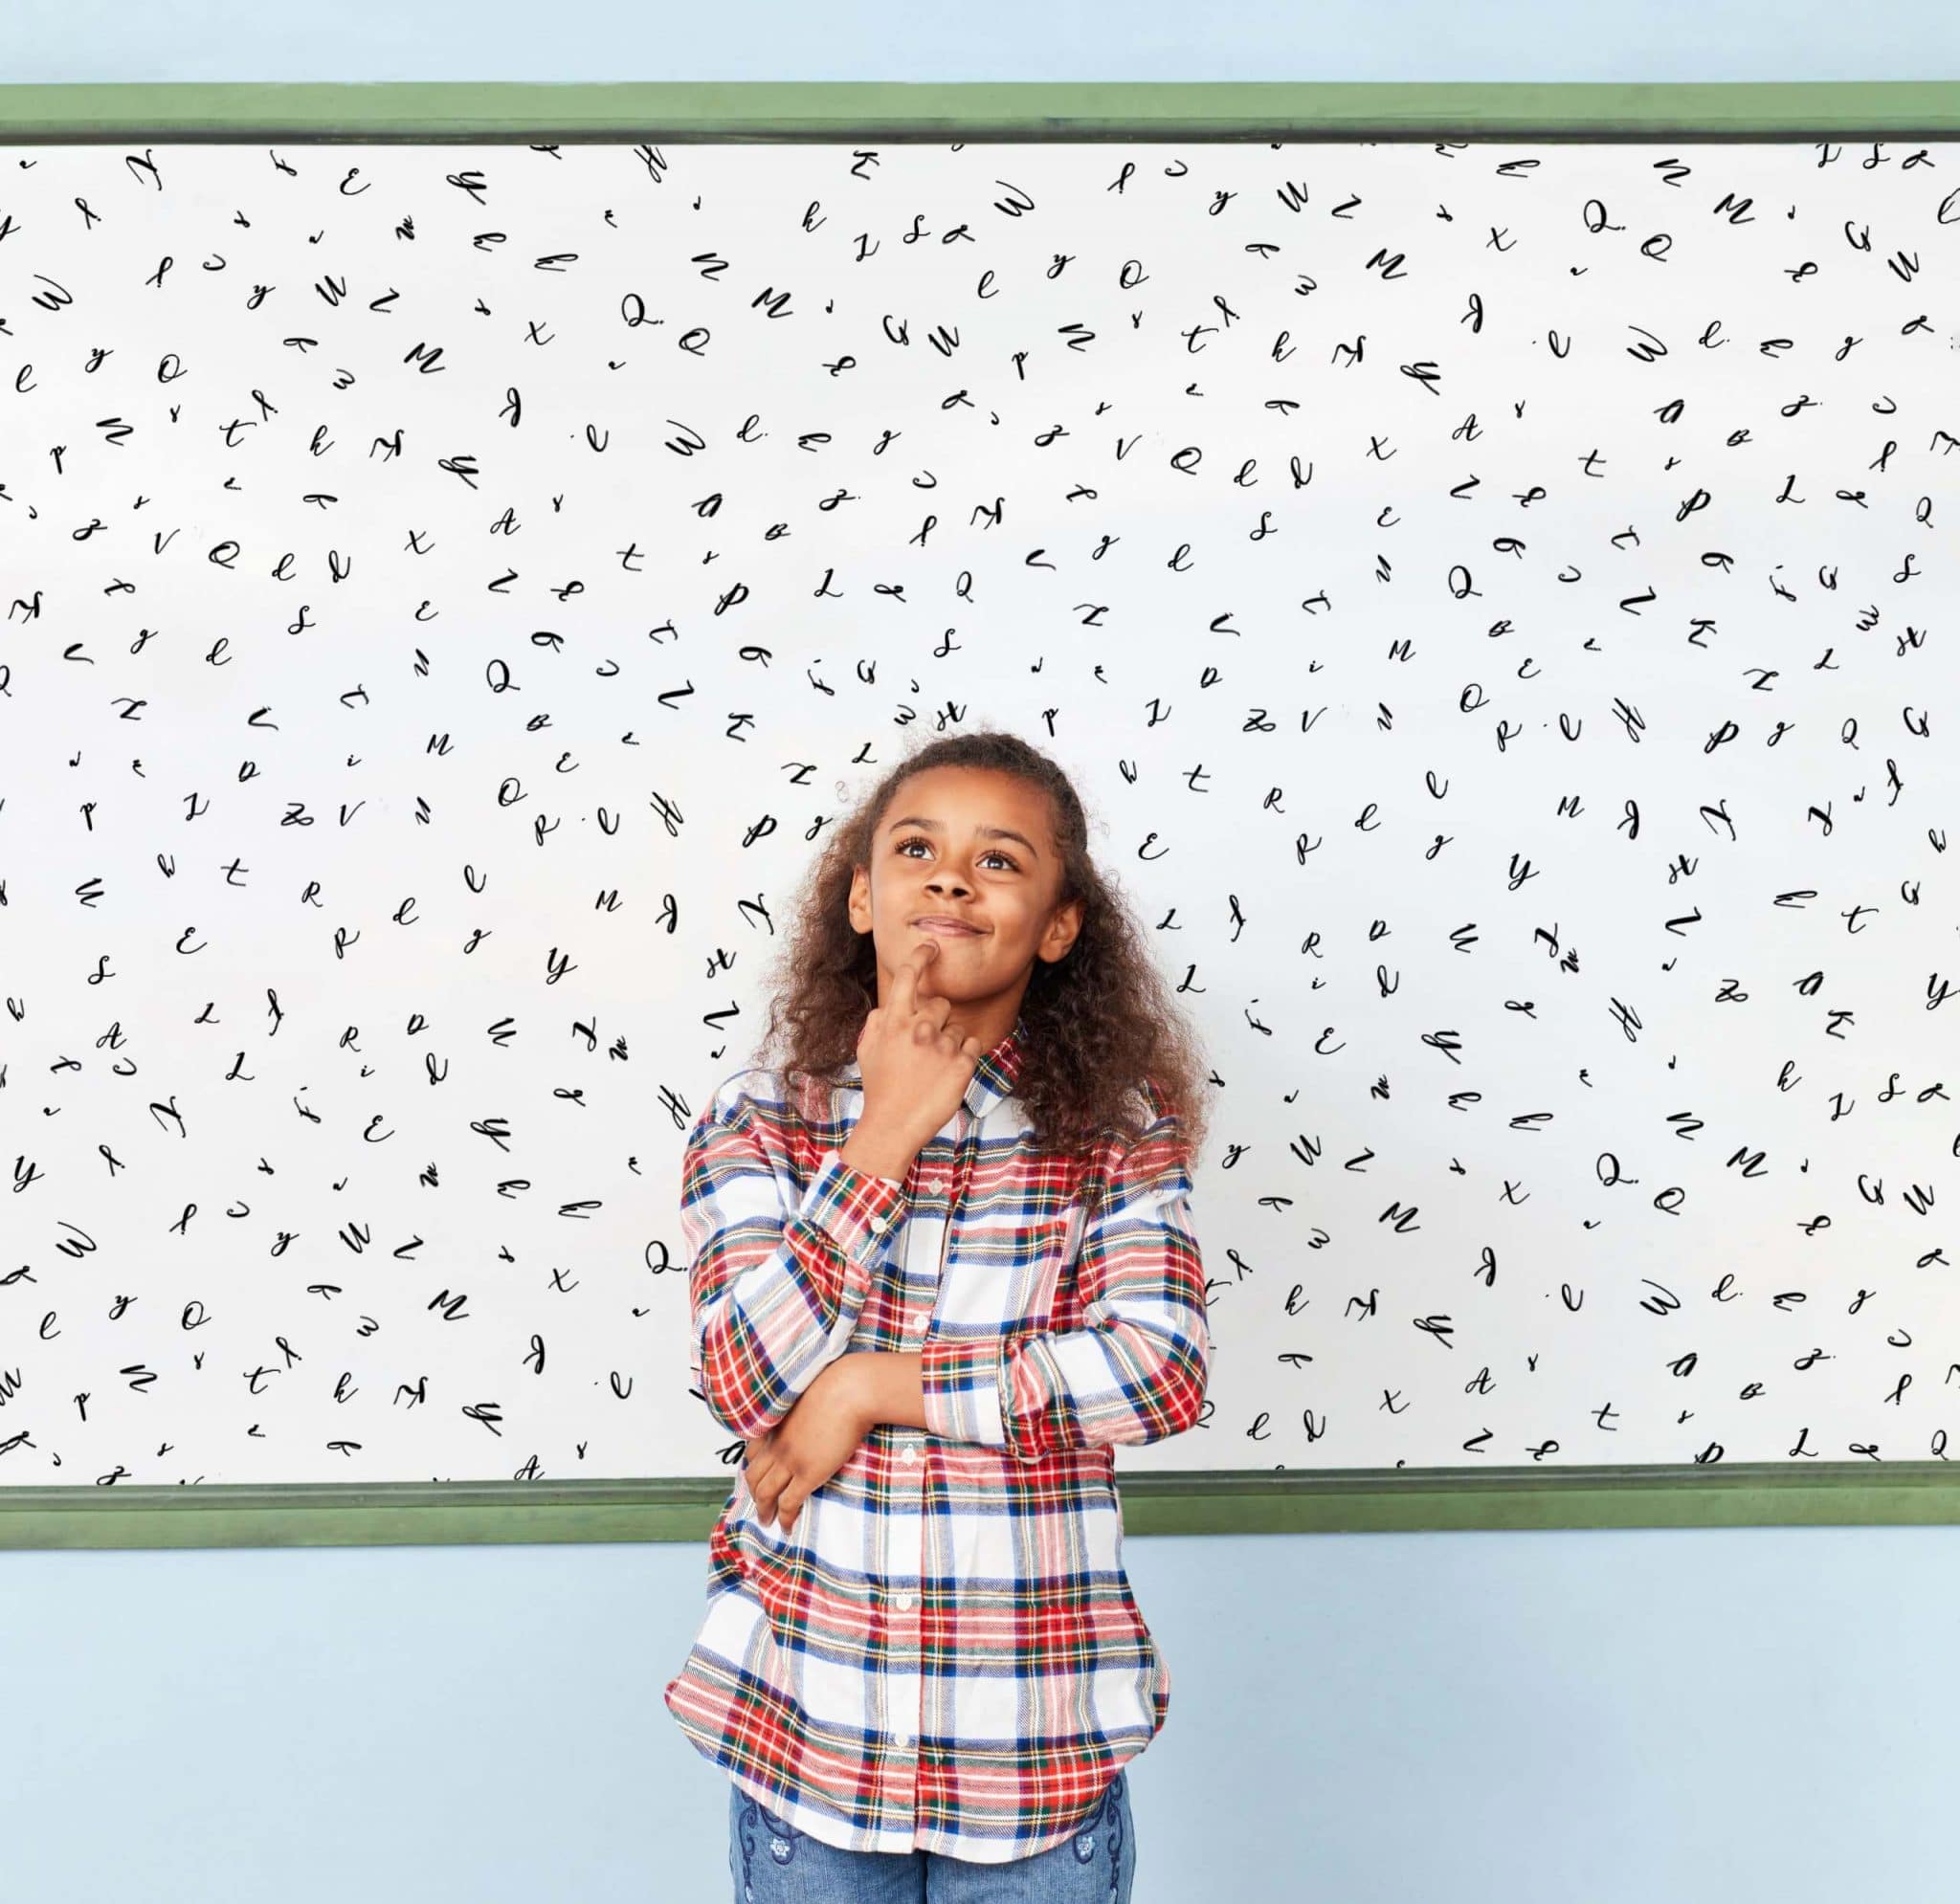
[(1136, 1371), (775, 1280)]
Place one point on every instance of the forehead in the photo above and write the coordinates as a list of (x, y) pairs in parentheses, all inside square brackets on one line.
[(970, 794), (990, 804)]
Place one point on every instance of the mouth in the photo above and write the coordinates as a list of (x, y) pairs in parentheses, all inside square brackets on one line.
[(946, 929)]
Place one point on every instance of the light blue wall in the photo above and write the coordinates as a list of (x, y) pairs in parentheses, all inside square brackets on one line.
[(1728, 1717), (1577, 1718), (1003, 39)]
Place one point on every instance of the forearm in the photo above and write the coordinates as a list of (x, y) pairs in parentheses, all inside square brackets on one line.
[(890, 1388)]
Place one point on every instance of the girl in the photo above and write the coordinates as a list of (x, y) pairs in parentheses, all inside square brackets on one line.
[(941, 1267)]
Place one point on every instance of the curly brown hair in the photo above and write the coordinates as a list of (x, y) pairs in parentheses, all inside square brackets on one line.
[(1102, 1034)]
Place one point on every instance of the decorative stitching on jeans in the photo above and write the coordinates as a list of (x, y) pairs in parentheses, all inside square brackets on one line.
[(750, 1819), (1109, 1815)]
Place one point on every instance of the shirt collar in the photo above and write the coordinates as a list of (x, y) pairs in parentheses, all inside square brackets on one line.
[(994, 1076)]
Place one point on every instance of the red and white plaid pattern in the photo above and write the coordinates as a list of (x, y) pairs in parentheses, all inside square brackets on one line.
[(943, 1654)]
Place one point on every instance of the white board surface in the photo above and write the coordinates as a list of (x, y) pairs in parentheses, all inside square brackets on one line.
[(1498, 599)]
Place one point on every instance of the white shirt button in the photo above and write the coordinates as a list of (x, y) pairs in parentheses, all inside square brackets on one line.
[(905, 1603), (922, 1321), (910, 1454), (901, 1739)]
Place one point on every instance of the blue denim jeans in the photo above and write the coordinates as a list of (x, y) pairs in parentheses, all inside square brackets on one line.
[(773, 1863)]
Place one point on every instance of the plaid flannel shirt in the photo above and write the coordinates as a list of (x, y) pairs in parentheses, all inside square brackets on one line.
[(943, 1653)]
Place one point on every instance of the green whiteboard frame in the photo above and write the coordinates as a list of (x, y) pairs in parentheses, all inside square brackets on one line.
[(890, 110), (1234, 1500)]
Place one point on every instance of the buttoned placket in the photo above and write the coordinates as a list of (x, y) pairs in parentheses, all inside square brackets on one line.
[(904, 1692)]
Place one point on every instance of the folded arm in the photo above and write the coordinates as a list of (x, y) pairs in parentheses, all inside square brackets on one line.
[(1136, 1372)]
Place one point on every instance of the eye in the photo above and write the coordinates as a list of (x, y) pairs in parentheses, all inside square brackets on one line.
[(920, 839)]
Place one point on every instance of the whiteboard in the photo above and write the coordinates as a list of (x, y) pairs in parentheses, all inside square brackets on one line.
[(1497, 601)]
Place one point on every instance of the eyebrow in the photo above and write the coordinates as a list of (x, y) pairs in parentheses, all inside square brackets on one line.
[(985, 832)]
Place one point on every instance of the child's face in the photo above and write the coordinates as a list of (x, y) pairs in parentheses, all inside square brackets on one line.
[(942, 848)]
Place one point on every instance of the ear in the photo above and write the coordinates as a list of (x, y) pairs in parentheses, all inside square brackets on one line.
[(1062, 932)]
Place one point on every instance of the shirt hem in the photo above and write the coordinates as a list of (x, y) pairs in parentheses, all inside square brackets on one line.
[(943, 1844)]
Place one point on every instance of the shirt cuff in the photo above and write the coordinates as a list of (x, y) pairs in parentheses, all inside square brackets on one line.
[(965, 1387), (855, 1209)]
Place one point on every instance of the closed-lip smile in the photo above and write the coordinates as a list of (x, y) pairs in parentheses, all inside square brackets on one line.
[(946, 922)]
